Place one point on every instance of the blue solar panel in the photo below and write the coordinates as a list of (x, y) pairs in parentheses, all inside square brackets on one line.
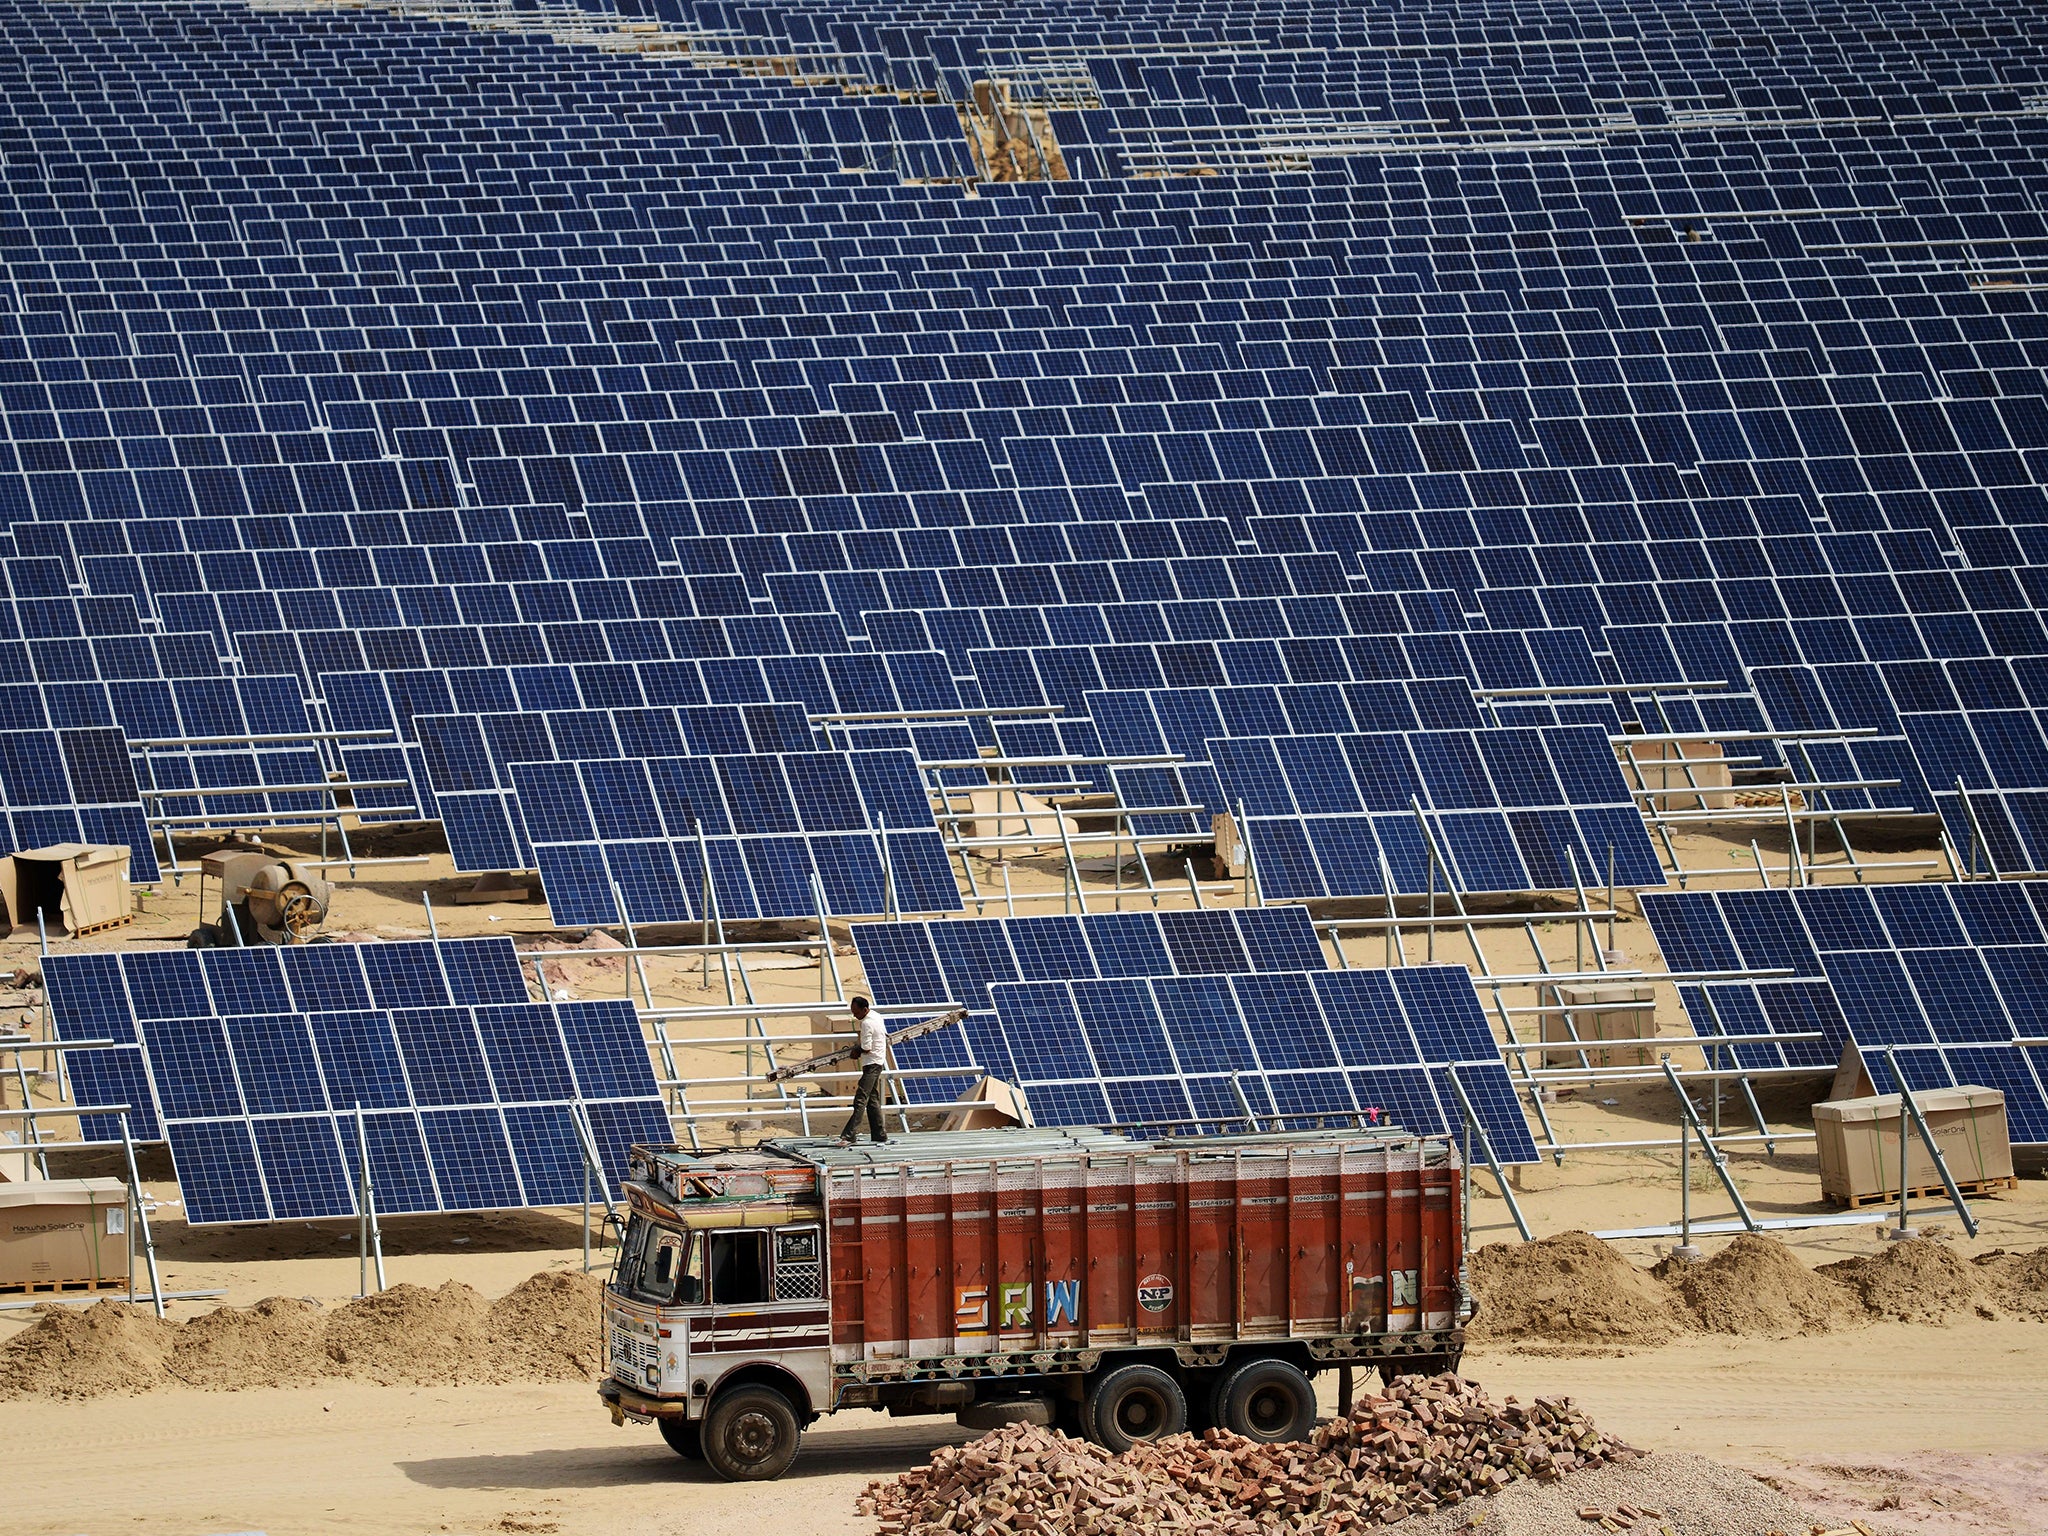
[(271, 1098), (1954, 972)]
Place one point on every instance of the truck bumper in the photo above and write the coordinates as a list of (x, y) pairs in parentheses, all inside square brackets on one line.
[(626, 1404)]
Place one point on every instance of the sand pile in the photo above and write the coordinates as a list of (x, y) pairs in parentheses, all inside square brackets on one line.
[(268, 1345), (107, 1348), (1921, 1281), (546, 1329), (1569, 1289), (1573, 1291), (410, 1336), (2017, 1283), (1756, 1286)]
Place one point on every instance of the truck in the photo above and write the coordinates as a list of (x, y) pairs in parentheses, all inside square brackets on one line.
[(1117, 1288)]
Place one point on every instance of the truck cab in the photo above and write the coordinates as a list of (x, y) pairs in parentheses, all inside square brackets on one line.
[(716, 1318)]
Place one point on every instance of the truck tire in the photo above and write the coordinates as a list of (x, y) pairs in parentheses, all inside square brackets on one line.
[(1137, 1402), (750, 1435), (684, 1437), (1269, 1401)]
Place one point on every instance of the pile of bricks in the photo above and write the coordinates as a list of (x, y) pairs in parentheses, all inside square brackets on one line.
[(1427, 1443)]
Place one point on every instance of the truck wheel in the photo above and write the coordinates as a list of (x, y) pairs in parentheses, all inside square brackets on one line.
[(1268, 1401), (684, 1438), (1139, 1402), (750, 1435)]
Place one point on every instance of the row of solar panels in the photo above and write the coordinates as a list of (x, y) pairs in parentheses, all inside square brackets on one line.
[(1952, 976), (281, 1078), (1174, 1021)]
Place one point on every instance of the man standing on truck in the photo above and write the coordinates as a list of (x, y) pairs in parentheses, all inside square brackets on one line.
[(874, 1054)]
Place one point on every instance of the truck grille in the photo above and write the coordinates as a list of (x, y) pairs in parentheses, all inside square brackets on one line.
[(633, 1356)]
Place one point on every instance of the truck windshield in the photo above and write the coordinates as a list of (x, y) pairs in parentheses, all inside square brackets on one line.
[(668, 1267)]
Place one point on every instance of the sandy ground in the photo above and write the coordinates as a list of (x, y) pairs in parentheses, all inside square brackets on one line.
[(1917, 1414), (1934, 1429)]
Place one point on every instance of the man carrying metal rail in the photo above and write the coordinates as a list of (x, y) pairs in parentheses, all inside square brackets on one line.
[(874, 1055)]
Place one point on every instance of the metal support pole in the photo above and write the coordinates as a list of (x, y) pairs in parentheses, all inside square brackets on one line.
[(1796, 874), (367, 1198), (1073, 864), (1251, 880), (1948, 1182), (1194, 886), (1713, 1153), (1685, 1249), (156, 1283), (433, 928), (1486, 1150)]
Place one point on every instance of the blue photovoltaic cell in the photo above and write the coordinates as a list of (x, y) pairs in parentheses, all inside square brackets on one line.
[(443, 1061), (218, 1177), (405, 975), (304, 1169), (549, 1151), (471, 1158), (400, 1178), (360, 1055), (1050, 948), (1203, 941), (524, 1051), (191, 1067), (1303, 1046), (1127, 944), (246, 980), (167, 985), (275, 1062), (113, 1077), (483, 971), (607, 1050), (326, 978), (1279, 939)]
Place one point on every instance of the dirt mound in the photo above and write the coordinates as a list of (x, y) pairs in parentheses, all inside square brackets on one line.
[(1921, 1281), (548, 1328), (1756, 1286), (1569, 1289), (2016, 1283), (411, 1336), (279, 1342), (109, 1347)]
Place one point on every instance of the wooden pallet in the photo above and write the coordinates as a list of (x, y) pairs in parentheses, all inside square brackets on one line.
[(59, 1287), (113, 922), (1926, 1192)]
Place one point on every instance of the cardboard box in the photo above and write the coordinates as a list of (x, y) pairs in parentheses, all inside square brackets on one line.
[(1859, 1142), (76, 886), (1602, 1014), (64, 1232)]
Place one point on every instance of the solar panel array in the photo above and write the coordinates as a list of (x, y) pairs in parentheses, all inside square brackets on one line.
[(915, 965), (1354, 364), (774, 835), (256, 1065), (1513, 809), (1951, 975), (1174, 1053)]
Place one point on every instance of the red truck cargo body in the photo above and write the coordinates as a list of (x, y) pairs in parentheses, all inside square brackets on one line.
[(1086, 1249)]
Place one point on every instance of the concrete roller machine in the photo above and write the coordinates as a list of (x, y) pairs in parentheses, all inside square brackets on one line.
[(263, 900)]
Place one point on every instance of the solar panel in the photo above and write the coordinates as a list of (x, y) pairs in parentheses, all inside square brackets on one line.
[(1951, 971), (471, 1104), (1305, 1048), (73, 786), (1507, 810), (778, 832), (914, 965)]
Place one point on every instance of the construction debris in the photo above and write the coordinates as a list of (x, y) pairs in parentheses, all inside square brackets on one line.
[(1428, 1443)]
